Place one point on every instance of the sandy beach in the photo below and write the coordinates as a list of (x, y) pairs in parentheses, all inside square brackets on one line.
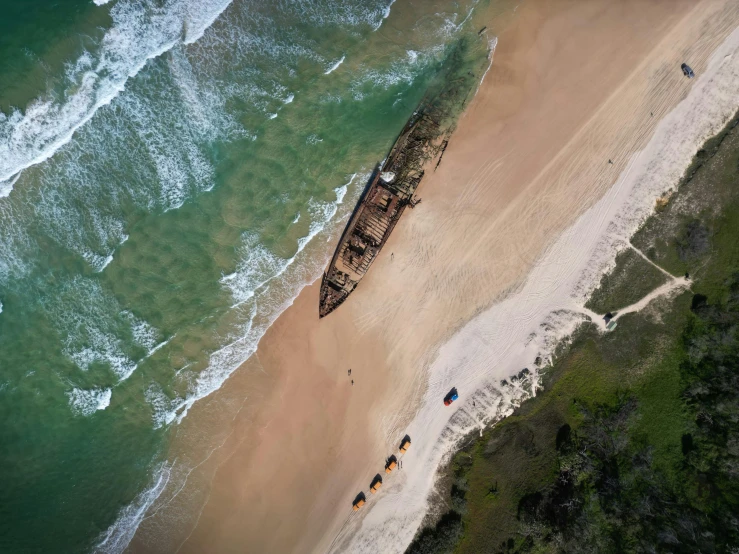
[(572, 85)]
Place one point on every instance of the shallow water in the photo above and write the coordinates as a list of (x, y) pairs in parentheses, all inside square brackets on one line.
[(171, 173)]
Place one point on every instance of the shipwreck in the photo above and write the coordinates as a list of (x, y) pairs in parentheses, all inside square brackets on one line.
[(393, 184), (390, 190)]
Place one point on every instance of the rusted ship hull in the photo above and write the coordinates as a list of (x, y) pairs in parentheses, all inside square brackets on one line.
[(389, 191)]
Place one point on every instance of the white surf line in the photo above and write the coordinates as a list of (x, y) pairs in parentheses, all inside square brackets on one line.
[(492, 43), (117, 537), (209, 21), (210, 486), (171, 499), (385, 15), (160, 345), (335, 66), (529, 324), (467, 17), (153, 506), (7, 185), (302, 243)]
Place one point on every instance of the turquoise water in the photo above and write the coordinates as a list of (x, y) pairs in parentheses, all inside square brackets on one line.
[(171, 174)]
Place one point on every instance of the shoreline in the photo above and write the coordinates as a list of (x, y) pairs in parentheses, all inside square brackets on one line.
[(315, 432)]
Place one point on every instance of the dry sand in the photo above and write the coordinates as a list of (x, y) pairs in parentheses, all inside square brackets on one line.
[(572, 86)]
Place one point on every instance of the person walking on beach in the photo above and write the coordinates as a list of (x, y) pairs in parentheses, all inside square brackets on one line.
[(352, 382), (392, 256), (350, 372)]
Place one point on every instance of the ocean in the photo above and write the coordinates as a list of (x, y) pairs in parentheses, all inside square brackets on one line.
[(172, 173)]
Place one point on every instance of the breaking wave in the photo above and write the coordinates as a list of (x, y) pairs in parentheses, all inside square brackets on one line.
[(87, 402), (119, 534), (141, 30), (335, 66)]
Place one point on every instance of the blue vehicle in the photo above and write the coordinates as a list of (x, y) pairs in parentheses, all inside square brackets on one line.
[(450, 397), (687, 71)]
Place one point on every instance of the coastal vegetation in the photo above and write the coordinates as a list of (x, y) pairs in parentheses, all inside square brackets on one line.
[(631, 279), (632, 442)]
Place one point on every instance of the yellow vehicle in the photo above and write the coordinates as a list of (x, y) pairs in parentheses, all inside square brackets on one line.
[(376, 484), (359, 501)]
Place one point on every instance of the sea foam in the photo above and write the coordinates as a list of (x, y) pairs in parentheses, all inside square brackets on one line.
[(140, 31), (87, 402), (7, 185), (335, 66)]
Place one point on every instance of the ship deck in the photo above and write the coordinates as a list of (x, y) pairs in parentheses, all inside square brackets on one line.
[(389, 191)]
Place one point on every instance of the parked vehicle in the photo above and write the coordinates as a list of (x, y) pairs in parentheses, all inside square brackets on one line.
[(359, 501), (687, 71), (376, 483), (451, 397)]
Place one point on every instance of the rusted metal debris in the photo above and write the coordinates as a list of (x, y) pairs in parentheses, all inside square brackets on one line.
[(390, 190)]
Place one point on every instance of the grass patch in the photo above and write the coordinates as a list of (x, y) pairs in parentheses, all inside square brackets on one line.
[(630, 280), (682, 234)]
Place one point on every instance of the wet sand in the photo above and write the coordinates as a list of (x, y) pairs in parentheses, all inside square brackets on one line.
[(572, 86)]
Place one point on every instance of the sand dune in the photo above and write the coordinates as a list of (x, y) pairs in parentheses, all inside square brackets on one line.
[(525, 189)]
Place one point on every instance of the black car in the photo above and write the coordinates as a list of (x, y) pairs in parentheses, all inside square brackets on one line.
[(687, 71)]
